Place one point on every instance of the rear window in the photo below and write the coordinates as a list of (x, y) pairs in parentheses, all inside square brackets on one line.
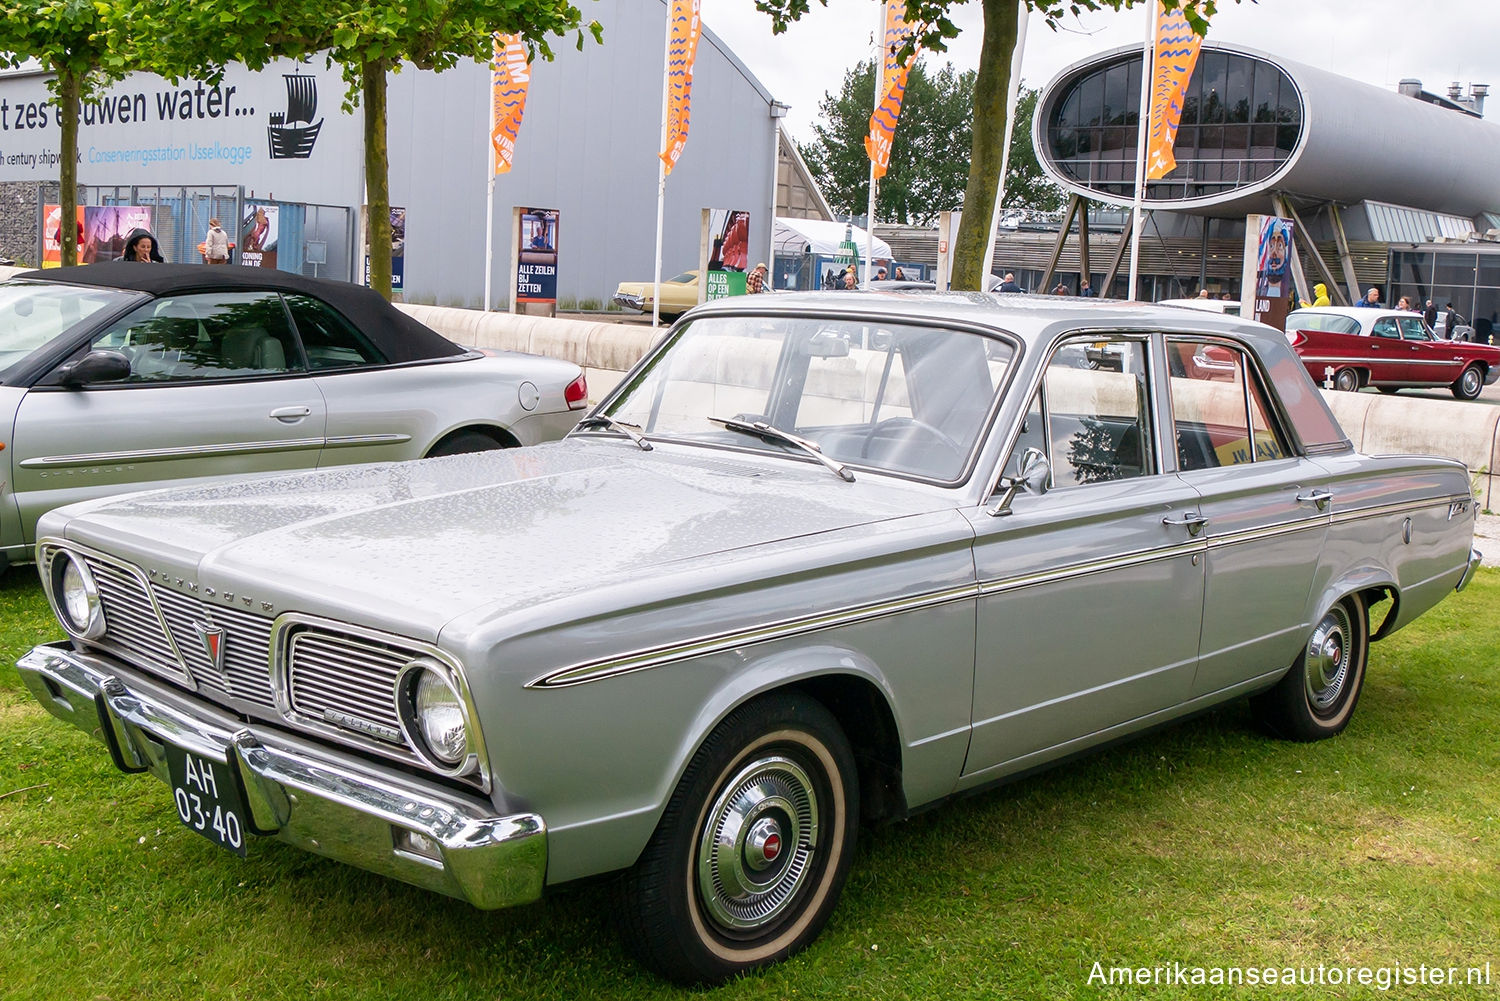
[(1331, 322)]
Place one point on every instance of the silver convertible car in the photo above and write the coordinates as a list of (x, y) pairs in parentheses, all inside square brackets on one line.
[(846, 556), (117, 377)]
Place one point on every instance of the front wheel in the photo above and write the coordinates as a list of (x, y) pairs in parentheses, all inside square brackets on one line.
[(1469, 384), (750, 856), (1317, 697), (1346, 380)]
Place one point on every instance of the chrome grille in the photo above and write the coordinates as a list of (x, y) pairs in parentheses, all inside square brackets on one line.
[(330, 675), (134, 630), (246, 674)]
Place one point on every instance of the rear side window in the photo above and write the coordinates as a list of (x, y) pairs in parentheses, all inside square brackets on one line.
[(1219, 412), (331, 342)]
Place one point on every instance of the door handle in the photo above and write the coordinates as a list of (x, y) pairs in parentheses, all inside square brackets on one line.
[(1192, 520), (1319, 496), (290, 415)]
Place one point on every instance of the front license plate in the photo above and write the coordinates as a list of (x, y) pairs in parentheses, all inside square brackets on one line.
[(206, 798)]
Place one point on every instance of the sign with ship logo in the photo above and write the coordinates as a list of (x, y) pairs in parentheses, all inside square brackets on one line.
[(293, 134)]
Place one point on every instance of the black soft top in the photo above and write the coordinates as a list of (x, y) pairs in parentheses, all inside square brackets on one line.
[(399, 337)]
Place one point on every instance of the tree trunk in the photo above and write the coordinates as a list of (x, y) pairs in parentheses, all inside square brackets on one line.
[(377, 176), (991, 109), (69, 88)]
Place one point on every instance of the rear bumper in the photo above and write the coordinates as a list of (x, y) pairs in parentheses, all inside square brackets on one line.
[(336, 805), (1474, 558), (629, 301)]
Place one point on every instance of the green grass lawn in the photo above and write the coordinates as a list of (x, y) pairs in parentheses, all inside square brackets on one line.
[(1206, 844)]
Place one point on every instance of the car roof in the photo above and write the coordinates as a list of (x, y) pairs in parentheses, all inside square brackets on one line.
[(1358, 312), (399, 337)]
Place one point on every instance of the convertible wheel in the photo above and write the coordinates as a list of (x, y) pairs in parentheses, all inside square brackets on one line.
[(464, 442), (1318, 695), (749, 857), (1469, 384), (1346, 380)]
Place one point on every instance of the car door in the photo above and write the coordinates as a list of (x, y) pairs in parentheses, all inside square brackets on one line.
[(217, 387), (1090, 593), (1434, 362), (1387, 355), (1266, 512)]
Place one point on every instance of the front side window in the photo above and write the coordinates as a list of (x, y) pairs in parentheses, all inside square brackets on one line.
[(1097, 412), (891, 396), (1413, 329), (192, 338), (1220, 414)]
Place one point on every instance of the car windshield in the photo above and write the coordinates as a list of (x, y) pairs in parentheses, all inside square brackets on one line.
[(686, 278), (904, 399), (32, 315)]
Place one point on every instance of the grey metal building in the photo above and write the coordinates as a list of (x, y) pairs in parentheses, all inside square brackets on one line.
[(587, 147)]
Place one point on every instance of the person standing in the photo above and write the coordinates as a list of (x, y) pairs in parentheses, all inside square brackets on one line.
[(1060, 289), (1085, 290), (216, 243), (1009, 285), (141, 246), (755, 281), (1429, 315), (1450, 322), (1371, 299)]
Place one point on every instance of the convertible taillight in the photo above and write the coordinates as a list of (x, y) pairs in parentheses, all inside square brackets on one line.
[(577, 393)]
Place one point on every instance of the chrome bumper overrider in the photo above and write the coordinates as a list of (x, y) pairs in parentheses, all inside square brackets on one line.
[(334, 805), (1474, 557)]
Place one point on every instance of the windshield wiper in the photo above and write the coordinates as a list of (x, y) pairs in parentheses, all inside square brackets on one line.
[(631, 431), (763, 430)]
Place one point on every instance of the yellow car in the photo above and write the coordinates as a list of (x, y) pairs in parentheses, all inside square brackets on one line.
[(678, 295)]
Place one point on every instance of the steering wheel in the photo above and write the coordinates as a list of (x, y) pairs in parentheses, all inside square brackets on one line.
[(900, 429)]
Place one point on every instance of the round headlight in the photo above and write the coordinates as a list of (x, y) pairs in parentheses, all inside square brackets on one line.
[(439, 715), (77, 597)]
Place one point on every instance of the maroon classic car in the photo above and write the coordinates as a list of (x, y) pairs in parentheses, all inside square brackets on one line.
[(1351, 347)]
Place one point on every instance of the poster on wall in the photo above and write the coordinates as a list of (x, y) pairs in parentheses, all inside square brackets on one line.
[(726, 242), (259, 231), (1268, 269), (398, 247), (536, 260), (102, 231)]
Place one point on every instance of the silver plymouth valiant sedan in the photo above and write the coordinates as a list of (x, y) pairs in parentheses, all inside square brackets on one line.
[(818, 561), (117, 377)]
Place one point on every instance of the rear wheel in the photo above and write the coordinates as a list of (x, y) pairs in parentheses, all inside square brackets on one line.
[(1346, 380), (749, 857), (464, 442), (1317, 697), (1469, 384)]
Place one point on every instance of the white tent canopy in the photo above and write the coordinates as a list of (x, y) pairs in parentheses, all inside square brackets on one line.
[(790, 237)]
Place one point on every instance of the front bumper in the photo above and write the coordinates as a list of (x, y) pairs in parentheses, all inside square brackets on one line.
[(335, 805)]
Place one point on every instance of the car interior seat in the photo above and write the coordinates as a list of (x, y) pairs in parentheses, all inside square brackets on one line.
[(250, 347)]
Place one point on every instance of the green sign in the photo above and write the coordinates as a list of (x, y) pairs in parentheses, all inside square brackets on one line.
[(723, 284)]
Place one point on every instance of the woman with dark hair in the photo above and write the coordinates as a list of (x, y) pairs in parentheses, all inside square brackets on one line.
[(141, 246)]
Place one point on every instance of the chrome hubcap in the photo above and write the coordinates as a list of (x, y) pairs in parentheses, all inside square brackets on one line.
[(1329, 653), (757, 844), (1471, 382)]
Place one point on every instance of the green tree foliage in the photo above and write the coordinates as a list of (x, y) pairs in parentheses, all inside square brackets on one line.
[(368, 39), (991, 89), (929, 152), (85, 44)]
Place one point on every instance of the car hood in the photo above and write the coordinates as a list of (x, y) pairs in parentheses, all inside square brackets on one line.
[(409, 546)]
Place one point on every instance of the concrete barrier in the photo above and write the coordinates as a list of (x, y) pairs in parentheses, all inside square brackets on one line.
[(1376, 424)]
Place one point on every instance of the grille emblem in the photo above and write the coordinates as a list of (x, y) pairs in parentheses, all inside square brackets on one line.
[(212, 638)]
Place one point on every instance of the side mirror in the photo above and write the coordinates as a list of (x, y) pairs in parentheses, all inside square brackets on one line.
[(96, 366), (1036, 471)]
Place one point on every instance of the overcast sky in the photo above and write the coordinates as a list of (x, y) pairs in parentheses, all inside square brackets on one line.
[(1377, 41)]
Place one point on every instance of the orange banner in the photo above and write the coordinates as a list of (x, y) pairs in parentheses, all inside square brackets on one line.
[(893, 81), (1177, 47), (682, 50), (510, 76)]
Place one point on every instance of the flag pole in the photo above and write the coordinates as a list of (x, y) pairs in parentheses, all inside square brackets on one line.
[(879, 74), (1010, 124), (1143, 131), (489, 200), (661, 170)]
